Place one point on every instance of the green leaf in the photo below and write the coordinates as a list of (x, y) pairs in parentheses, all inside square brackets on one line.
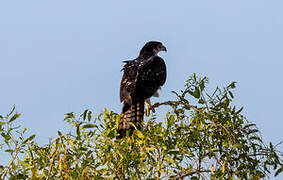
[(89, 116), (255, 138), (78, 131), (202, 83), (13, 109), (7, 137), (14, 117), (278, 171), (231, 94), (89, 126), (69, 116), (201, 101), (271, 146), (239, 110), (59, 133), (237, 146), (9, 150), (24, 130), (171, 120), (253, 131), (232, 85), (106, 112), (176, 152), (139, 134), (132, 124), (249, 125), (84, 114), (195, 93), (29, 138)]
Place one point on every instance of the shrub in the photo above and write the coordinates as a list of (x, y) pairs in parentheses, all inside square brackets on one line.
[(212, 140)]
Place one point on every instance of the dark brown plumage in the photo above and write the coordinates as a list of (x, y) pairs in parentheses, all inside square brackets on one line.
[(142, 78)]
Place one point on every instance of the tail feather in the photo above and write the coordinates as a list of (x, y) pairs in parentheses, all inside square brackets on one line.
[(130, 114)]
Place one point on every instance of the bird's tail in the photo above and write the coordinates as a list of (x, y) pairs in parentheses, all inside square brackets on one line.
[(131, 114)]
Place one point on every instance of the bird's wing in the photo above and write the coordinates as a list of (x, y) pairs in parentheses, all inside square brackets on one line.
[(128, 81), (153, 70)]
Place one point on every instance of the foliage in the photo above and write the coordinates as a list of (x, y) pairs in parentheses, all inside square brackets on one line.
[(212, 140)]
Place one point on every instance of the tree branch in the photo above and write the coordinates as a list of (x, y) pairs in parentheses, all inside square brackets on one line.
[(10, 163), (172, 103), (190, 172)]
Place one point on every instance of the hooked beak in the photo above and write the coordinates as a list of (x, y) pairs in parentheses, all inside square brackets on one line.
[(163, 48)]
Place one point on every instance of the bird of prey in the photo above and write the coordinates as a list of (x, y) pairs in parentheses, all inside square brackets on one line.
[(142, 78)]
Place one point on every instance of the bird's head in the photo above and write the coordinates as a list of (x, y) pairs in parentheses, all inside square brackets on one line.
[(153, 48)]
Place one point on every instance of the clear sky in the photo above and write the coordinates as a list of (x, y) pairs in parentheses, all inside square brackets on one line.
[(63, 56)]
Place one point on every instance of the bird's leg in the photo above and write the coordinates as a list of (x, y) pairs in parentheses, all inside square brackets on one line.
[(148, 107)]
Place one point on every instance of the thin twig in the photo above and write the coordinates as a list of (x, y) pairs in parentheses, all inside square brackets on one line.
[(52, 161), (10, 163), (172, 103)]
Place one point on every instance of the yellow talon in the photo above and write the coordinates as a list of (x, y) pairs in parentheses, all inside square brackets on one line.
[(147, 110)]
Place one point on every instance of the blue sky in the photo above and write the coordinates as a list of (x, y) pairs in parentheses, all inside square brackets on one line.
[(63, 56)]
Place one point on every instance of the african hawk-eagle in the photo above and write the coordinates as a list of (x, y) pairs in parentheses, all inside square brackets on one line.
[(142, 78)]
